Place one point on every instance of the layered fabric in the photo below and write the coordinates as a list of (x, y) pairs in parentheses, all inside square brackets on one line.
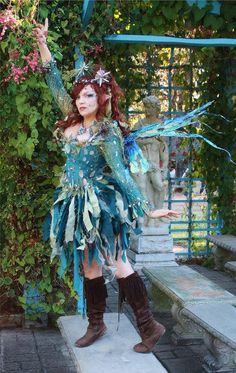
[(96, 204)]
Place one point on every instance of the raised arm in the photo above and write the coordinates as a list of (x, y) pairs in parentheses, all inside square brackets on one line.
[(52, 75)]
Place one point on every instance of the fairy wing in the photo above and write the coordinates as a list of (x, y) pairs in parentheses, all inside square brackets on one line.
[(168, 128)]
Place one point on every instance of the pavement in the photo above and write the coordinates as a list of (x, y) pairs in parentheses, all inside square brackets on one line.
[(38, 350)]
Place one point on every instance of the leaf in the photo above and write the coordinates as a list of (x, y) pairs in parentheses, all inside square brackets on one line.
[(198, 13), (49, 288), (168, 12), (27, 269), (45, 271), (20, 99), (7, 281), (29, 260), (211, 21), (4, 45), (34, 133), (24, 108), (21, 237), (22, 300), (43, 12), (29, 148), (22, 279), (60, 295), (64, 23), (11, 293)]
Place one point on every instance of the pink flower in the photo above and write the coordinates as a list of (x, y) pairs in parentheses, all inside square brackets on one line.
[(8, 20), (33, 60), (17, 74)]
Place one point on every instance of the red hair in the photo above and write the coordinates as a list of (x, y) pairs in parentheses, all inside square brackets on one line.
[(110, 88)]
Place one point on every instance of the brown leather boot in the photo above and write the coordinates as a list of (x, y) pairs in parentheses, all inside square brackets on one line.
[(96, 294), (132, 290)]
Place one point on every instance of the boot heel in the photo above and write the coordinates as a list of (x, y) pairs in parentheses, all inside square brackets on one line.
[(148, 344)]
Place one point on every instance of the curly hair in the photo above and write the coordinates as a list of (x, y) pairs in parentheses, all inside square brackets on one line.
[(107, 88)]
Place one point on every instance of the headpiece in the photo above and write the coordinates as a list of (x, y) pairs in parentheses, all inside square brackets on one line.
[(85, 74)]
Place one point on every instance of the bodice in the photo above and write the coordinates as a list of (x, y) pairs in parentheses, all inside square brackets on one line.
[(85, 161), (100, 158)]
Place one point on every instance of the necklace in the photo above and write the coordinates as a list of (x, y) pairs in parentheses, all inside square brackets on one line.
[(82, 130)]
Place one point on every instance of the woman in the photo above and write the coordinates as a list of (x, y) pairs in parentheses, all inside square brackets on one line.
[(97, 201)]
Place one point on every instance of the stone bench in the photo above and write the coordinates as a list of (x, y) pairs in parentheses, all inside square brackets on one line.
[(231, 268), (111, 353), (173, 288), (189, 293), (216, 322), (224, 249)]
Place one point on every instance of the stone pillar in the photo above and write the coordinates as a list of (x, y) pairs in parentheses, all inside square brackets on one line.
[(154, 247)]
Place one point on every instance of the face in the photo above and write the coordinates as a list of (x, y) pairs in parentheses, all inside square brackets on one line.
[(151, 109), (87, 103)]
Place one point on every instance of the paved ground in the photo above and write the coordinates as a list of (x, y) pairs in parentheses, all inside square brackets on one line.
[(44, 351)]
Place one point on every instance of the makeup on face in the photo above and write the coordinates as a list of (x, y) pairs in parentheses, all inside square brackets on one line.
[(87, 103)]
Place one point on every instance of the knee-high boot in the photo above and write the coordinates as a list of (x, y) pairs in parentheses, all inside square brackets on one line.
[(132, 289), (96, 294)]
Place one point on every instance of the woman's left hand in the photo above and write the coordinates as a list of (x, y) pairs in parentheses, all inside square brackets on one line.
[(162, 213)]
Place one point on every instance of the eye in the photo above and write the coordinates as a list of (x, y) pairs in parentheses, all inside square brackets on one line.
[(90, 95)]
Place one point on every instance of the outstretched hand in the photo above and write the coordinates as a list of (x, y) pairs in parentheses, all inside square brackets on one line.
[(162, 213), (41, 32)]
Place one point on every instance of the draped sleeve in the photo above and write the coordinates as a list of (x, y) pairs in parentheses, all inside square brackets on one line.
[(54, 81), (113, 150)]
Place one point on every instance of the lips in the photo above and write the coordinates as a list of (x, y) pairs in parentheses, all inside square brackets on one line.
[(82, 108)]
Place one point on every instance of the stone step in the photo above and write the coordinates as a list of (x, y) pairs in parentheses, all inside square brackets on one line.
[(152, 244), (151, 258), (111, 353)]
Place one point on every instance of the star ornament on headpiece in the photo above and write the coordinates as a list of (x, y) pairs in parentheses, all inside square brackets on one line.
[(85, 69), (102, 77)]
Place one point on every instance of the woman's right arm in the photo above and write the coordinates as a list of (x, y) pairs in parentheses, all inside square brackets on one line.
[(52, 75)]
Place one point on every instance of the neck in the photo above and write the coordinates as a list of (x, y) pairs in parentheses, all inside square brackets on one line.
[(151, 118), (88, 121)]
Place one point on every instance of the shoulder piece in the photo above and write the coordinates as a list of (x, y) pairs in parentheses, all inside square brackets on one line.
[(106, 129)]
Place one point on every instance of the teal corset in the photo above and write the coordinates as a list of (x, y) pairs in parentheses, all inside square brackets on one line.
[(82, 167)]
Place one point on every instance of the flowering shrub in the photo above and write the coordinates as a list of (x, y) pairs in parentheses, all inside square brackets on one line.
[(29, 159), (8, 21)]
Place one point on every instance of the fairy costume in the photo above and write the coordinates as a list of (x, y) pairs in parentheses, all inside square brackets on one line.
[(97, 200)]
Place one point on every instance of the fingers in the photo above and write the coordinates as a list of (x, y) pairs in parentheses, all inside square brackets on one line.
[(46, 24), (44, 27), (40, 34), (173, 212)]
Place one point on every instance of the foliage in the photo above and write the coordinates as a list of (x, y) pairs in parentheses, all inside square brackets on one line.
[(218, 83), (29, 159)]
